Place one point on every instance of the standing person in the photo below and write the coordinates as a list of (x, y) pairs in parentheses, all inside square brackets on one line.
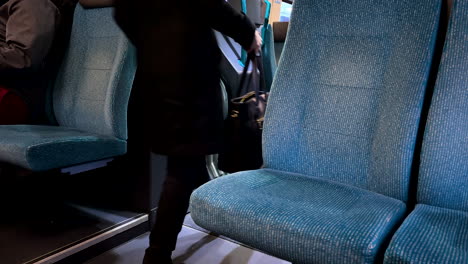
[(179, 82)]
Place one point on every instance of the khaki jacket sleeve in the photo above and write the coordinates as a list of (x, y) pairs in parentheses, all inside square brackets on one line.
[(29, 33)]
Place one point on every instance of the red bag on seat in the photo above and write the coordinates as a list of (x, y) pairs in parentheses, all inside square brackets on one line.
[(13, 109)]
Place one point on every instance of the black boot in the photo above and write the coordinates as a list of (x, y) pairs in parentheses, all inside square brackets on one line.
[(184, 175), (153, 256)]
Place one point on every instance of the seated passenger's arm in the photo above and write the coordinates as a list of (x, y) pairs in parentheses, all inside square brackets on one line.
[(29, 33), (225, 19)]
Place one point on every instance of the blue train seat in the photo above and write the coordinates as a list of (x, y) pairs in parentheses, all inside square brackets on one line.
[(339, 136), (437, 230), (90, 100)]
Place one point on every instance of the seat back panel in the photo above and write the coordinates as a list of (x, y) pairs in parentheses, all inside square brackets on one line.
[(443, 179), (346, 102), (96, 78)]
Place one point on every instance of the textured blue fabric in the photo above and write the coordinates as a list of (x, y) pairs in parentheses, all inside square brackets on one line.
[(431, 235), (443, 179), (343, 114), (298, 218), (437, 231), (41, 148), (94, 84), (346, 100)]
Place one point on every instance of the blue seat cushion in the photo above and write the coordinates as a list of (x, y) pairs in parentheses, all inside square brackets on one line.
[(298, 218), (431, 235), (40, 148)]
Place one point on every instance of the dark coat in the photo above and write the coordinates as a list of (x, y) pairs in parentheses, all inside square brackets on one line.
[(178, 76)]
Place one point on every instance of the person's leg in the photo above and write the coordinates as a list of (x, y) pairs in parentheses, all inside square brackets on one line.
[(184, 175)]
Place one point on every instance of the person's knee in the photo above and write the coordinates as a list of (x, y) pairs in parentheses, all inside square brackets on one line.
[(189, 171)]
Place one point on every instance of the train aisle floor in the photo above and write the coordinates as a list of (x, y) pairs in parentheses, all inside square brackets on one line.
[(194, 246), (29, 236)]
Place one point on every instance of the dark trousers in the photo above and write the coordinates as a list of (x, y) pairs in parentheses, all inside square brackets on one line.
[(184, 174)]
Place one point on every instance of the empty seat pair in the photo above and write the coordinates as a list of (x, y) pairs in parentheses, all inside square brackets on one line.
[(90, 100), (340, 135)]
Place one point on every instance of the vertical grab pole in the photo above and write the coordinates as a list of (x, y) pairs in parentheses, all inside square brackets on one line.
[(267, 19), (243, 52)]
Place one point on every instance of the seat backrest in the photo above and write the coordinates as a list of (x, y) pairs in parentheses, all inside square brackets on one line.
[(94, 83), (443, 176), (347, 96)]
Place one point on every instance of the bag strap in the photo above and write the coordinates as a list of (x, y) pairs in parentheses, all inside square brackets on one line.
[(244, 77), (261, 73), (256, 77)]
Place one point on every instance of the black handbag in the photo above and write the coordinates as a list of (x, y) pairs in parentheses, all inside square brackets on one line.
[(244, 124)]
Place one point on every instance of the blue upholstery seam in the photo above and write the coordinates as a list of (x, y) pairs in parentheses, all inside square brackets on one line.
[(82, 139), (117, 79), (308, 177), (336, 133), (347, 86)]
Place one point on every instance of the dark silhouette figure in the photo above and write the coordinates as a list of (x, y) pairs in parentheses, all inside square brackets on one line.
[(179, 83)]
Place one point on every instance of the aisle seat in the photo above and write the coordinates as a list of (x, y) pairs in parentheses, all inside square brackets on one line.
[(339, 136), (90, 100), (437, 230)]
